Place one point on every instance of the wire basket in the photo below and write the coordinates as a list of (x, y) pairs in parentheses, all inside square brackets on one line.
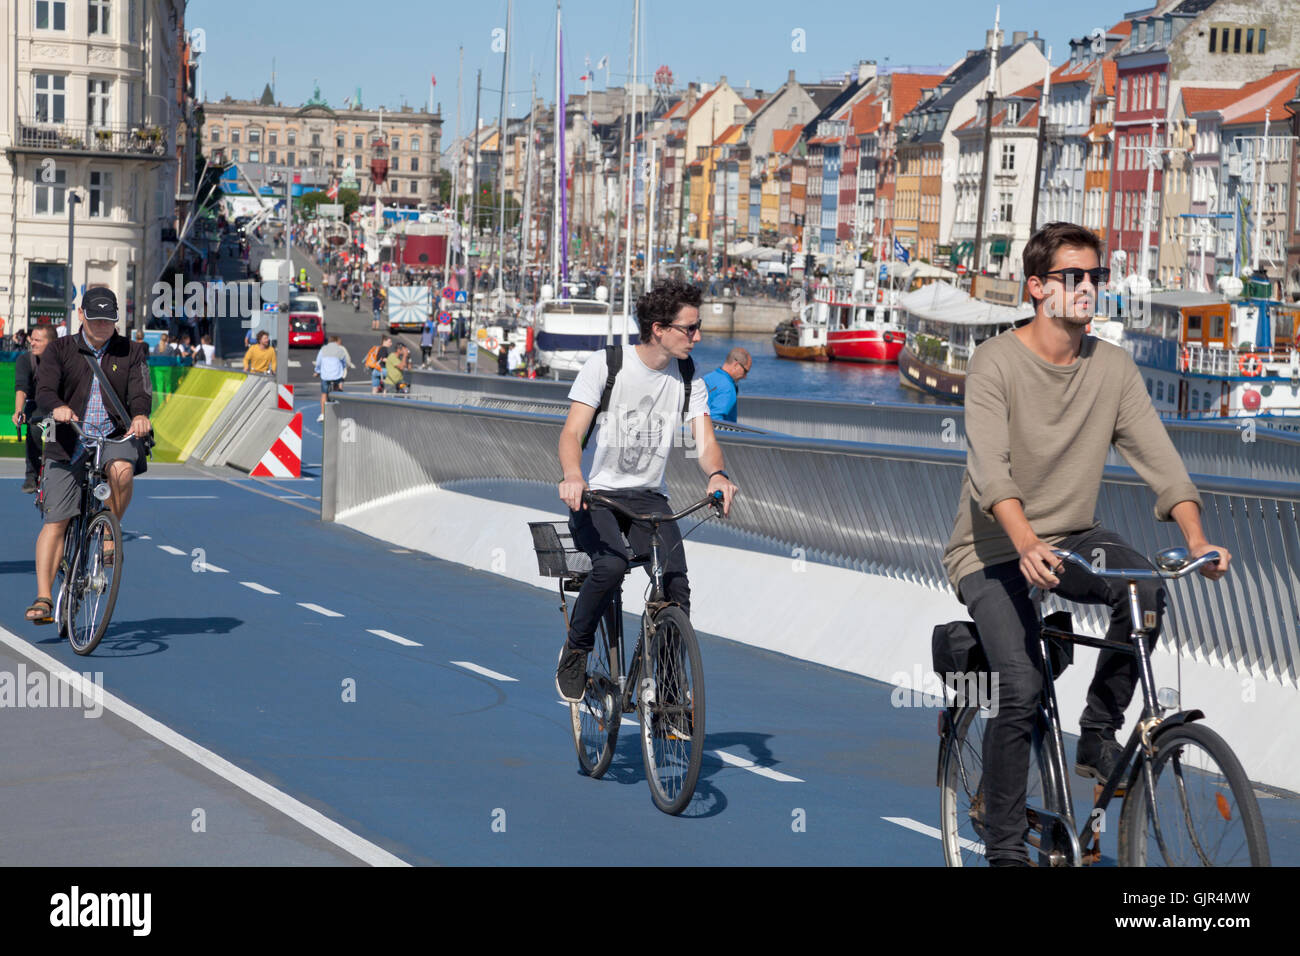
[(556, 555)]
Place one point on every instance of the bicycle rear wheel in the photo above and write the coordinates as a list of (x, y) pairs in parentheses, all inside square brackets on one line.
[(670, 703), (596, 720), (961, 793), (1205, 809), (91, 586)]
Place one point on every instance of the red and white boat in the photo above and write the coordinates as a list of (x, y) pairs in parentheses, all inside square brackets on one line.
[(855, 330)]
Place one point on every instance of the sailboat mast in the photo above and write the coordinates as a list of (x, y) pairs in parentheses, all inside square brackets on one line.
[(631, 177), (559, 158), (501, 154)]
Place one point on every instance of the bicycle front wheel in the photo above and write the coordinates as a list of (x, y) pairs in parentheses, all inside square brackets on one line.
[(670, 703), (961, 792), (91, 585), (596, 720), (1205, 812)]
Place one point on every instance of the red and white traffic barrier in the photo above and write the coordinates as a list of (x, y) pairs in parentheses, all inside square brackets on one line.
[(284, 397), (284, 458)]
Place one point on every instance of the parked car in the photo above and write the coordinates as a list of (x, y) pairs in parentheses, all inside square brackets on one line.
[(306, 322)]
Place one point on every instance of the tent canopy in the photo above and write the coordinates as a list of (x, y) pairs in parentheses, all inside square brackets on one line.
[(942, 302)]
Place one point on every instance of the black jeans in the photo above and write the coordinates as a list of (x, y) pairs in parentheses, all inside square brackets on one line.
[(599, 532), (998, 598)]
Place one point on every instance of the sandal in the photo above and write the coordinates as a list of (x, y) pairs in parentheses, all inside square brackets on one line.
[(41, 611), (108, 549)]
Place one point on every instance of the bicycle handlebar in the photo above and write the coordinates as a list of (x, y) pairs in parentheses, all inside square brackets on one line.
[(591, 497), (1137, 574), (76, 426)]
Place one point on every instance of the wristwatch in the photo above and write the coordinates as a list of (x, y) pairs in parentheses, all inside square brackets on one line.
[(722, 473)]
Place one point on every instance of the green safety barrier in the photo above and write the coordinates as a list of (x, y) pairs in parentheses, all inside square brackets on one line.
[(186, 401)]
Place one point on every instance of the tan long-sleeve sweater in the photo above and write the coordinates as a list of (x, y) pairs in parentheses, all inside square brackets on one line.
[(1040, 433)]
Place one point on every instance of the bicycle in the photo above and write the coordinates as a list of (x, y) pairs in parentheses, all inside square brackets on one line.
[(664, 677), (86, 583), (1168, 755)]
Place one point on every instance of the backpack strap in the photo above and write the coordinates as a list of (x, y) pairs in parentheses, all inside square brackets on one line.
[(613, 362), (686, 367)]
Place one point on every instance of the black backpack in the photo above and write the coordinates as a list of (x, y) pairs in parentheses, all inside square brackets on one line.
[(613, 363)]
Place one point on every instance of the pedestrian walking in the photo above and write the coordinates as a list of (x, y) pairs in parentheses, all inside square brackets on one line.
[(25, 410)]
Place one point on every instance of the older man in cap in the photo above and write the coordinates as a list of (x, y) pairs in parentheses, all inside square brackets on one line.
[(67, 384), (724, 385)]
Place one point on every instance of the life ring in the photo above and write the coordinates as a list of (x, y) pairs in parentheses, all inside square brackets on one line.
[(491, 344), (1249, 365), (1184, 358)]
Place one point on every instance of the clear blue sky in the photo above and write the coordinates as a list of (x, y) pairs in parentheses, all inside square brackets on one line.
[(390, 48)]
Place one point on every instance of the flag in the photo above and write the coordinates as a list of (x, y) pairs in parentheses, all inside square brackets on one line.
[(433, 80), (585, 77), (333, 191), (603, 62), (900, 252)]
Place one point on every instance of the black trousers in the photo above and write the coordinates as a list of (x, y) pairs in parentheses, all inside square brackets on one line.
[(600, 533), (998, 599), (33, 451)]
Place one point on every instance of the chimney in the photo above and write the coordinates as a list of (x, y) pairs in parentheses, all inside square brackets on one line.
[(1019, 37), (866, 70), (722, 79), (989, 42), (789, 78)]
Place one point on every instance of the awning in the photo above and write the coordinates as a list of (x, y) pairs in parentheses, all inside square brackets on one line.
[(999, 247)]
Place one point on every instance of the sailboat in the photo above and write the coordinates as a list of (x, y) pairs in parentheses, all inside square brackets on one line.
[(569, 326)]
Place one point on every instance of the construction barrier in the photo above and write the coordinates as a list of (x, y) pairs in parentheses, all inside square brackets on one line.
[(284, 397), (186, 415), (284, 458)]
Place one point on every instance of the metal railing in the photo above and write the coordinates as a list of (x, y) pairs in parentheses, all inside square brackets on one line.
[(881, 509), (1211, 447), (118, 140)]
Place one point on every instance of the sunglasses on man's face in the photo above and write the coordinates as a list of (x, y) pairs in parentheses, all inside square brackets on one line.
[(689, 330), (1075, 276)]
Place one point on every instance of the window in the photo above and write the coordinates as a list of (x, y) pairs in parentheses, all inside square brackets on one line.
[(1214, 37), (254, 135), (216, 136), (397, 143), (98, 17), (315, 158), (415, 144), (395, 164), (338, 140), (101, 194), (97, 112), (1160, 391), (293, 137), (50, 88), (51, 15), (1250, 41), (271, 138), (1008, 156), (338, 160), (288, 159), (51, 197), (1263, 35), (356, 143), (315, 139), (415, 187), (253, 156), (415, 164), (1160, 96), (234, 155), (1007, 213), (356, 162), (1236, 40), (1123, 93), (270, 156), (1150, 387), (1169, 31), (234, 136), (132, 18)]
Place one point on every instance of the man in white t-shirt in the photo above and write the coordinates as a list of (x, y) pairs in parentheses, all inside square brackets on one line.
[(626, 459)]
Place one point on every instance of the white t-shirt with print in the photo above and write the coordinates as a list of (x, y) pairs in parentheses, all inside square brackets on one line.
[(630, 446)]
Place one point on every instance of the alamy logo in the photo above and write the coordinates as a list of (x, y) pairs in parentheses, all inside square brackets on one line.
[(103, 909), (41, 689)]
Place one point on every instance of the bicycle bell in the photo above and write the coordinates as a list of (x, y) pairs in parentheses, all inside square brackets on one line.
[(1171, 559)]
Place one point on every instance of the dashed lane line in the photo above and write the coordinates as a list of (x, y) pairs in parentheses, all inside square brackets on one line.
[(746, 764), (389, 636), (319, 610), (470, 666), (625, 722), (916, 826), (259, 588), (169, 549)]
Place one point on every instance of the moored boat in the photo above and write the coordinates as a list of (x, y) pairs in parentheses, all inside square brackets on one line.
[(801, 338)]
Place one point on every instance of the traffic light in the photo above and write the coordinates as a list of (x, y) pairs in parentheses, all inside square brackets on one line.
[(808, 263)]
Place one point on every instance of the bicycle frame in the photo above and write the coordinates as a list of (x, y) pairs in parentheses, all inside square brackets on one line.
[(1139, 746)]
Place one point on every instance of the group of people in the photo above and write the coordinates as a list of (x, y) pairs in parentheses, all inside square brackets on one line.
[(1044, 404), (183, 349)]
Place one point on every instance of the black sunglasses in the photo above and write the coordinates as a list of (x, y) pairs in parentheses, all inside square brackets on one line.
[(1098, 276), (690, 330)]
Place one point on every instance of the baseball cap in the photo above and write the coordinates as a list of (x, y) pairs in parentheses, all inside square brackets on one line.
[(99, 303)]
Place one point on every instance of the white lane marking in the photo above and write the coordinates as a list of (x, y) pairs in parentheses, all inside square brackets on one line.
[(293, 363), (744, 764), (320, 610), (311, 464), (299, 497), (908, 823), (259, 588), (625, 722), (313, 820), (169, 549), (470, 666), (180, 497), (145, 537), (213, 568), (400, 551), (387, 635)]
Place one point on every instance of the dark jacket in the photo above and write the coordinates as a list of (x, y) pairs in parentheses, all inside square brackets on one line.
[(25, 381), (64, 378)]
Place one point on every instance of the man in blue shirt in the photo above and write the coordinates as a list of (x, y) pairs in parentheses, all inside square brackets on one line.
[(723, 385)]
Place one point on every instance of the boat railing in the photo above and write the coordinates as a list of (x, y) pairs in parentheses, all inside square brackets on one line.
[(1205, 360)]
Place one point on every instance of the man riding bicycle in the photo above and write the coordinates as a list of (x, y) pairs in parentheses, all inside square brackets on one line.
[(66, 383), (646, 407), (1044, 403)]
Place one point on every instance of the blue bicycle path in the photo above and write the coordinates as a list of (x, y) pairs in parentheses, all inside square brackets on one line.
[(439, 764)]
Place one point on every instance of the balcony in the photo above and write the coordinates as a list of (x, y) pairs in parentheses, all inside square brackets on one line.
[(41, 137)]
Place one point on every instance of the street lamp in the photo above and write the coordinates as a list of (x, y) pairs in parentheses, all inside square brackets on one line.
[(73, 199)]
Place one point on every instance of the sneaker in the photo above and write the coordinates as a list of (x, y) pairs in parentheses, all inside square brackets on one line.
[(571, 674), (1097, 755), (320, 418)]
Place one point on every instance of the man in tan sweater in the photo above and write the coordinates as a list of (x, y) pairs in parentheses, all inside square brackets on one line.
[(1044, 402)]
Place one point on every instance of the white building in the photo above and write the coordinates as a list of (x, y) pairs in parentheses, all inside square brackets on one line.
[(91, 105)]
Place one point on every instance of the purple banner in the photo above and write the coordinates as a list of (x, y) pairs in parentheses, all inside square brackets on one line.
[(564, 177)]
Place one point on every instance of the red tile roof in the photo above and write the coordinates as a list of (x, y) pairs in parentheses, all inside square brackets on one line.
[(1269, 94), (1198, 99), (907, 89), (726, 134), (1109, 72), (754, 104), (676, 106), (700, 102), (1123, 29), (866, 117), (1030, 119), (783, 140), (1098, 131)]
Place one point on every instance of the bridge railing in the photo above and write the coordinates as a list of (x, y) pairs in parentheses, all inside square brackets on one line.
[(1227, 449), (881, 509)]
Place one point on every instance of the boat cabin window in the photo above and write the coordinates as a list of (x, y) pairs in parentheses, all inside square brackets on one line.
[(1193, 327), (1160, 391), (1216, 327), (1150, 387)]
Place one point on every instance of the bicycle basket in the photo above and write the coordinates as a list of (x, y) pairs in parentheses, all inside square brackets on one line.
[(556, 555)]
